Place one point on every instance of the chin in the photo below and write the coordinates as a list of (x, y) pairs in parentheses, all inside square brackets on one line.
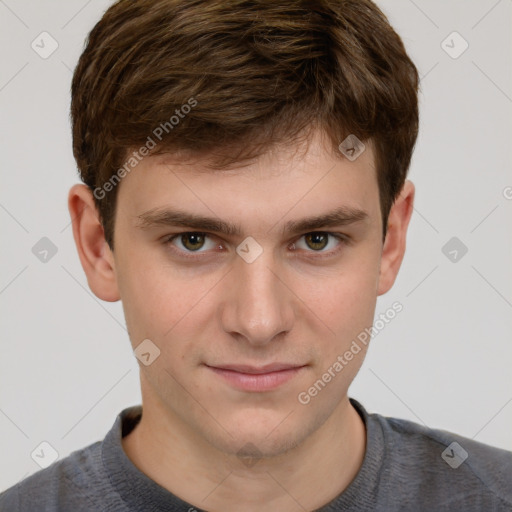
[(248, 446), (261, 434)]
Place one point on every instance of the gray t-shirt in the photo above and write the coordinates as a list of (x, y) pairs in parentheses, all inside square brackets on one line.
[(406, 467)]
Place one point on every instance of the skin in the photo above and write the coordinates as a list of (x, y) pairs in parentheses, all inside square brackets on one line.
[(215, 446)]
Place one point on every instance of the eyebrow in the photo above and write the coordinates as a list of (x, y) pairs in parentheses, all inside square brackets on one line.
[(155, 217)]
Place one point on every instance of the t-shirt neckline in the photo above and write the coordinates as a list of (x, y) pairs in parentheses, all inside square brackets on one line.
[(140, 493)]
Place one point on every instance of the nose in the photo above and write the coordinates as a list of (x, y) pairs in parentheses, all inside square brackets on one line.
[(259, 306)]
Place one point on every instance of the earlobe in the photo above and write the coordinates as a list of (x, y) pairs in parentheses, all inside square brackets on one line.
[(94, 253), (395, 242)]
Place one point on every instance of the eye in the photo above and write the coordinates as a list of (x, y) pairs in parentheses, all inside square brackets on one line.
[(192, 241), (319, 241)]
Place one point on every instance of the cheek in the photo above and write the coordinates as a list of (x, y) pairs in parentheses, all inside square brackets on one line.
[(344, 297), (347, 306), (161, 303)]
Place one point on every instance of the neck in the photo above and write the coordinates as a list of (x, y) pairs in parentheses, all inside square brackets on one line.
[(305, 477)]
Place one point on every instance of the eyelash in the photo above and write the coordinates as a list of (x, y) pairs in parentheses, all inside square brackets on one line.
[(344, 239)]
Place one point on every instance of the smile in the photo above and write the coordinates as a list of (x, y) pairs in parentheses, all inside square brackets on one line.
[(254, 379)]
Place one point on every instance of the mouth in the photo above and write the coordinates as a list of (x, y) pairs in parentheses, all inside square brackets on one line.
[(257, 378)]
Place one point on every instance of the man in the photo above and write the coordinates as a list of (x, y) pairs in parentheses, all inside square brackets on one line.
[(246, 198)]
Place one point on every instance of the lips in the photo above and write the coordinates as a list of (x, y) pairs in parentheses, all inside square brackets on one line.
[(256, 378), (257, 370)]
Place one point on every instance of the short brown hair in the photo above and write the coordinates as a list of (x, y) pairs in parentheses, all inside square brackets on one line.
[(260, 73)]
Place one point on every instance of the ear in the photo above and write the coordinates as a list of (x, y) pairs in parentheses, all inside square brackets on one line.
[(94, 253), (394, 244)]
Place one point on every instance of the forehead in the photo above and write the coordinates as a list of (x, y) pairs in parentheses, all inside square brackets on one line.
[(306, 178)]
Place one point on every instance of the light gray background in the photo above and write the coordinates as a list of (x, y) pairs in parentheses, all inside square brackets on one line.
[(66, 364)]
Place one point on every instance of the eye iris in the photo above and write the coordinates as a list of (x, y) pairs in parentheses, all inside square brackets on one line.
[(316, 241), (196, 241)]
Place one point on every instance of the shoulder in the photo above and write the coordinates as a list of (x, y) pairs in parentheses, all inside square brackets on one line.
[(78, 482), (64, 481), (456, 468)]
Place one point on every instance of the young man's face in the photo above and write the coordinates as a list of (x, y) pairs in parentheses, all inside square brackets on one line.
[(285, 298)]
